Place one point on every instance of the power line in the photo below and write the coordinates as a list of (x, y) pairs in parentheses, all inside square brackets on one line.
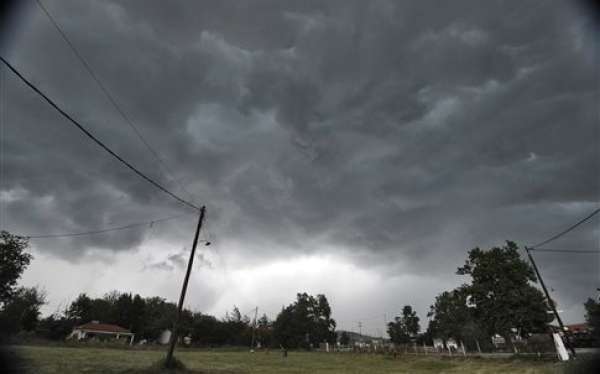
[(80, 127), (48, 236), (368, 318), (215, 243), (564, 250), (112, 100), (566, 231)]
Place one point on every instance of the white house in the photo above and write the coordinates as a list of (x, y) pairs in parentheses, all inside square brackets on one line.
[(96, 329)]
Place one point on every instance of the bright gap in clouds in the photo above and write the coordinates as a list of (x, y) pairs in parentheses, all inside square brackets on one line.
[(355, 295)]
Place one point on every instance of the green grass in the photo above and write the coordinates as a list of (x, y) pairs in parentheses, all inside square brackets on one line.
[(52, 359)]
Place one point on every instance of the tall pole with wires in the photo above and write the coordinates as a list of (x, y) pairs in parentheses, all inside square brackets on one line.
[(173, 341), (550, 301)]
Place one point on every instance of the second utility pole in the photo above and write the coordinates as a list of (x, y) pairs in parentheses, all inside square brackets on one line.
[(551, 303), (168, 362)]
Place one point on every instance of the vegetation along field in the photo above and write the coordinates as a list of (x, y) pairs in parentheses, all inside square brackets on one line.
[(49, 359)]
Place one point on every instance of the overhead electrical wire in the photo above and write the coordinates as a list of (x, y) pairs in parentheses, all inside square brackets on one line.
[(566, 231), (130, 226), (564, 250), (80, 127), (112, 100)]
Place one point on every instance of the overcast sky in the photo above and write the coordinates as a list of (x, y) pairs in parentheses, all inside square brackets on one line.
[(356, 149)]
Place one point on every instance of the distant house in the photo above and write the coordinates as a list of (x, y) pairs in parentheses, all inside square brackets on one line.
[(499, 342), (580, 334), (97, 329), (450, 343), (438, 343), (574, 328), (579, 328)]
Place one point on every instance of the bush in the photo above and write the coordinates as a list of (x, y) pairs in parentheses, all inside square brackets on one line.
[(536, 343)]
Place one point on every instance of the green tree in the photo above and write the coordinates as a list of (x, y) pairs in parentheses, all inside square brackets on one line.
[(54, 327), (451, 317), (138, 314), (80, 310), (404, 328), (237, 328), (207, 331), (305, 322), (325, 325), (13, 261), (122, 311), (84, 309), (592, 318), (22, 311), (344, 339), (102, 310), (503, 293), (264, 331), (159, 315)]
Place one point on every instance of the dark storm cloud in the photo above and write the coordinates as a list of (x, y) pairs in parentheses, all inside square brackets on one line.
[(408, 131)]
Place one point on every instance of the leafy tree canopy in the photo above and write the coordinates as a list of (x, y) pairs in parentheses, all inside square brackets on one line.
[(592, 317), (146, 317), (22, 311), (344, 338), (449, 314), (503, 293), (13, 261), (404, 328), (452, 317), (307, 321)]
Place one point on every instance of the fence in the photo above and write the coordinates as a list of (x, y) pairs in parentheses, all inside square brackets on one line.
[(539, 345)]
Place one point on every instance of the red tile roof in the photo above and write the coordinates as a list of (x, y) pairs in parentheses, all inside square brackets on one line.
[(102, 327), (578, 326)]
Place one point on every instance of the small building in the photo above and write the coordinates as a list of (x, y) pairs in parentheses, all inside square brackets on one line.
[(451, 344), (165, 337), (580, 334), (578, 328), (97, 329), (499, 342)]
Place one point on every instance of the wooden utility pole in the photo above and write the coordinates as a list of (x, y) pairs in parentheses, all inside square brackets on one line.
[(169, 360), (551, 302)]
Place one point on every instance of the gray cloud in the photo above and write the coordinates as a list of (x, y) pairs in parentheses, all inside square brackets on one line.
[(402, 132)]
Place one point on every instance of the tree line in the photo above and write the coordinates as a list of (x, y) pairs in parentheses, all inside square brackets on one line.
[(500, 298), (302, 324)]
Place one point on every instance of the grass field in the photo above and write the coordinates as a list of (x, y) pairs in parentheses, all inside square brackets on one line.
[(49, 359)]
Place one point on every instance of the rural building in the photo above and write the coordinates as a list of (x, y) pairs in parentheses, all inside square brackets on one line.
[(499, 342), (580, 334), (579, 329), (450, 343), (95, 329), (438, 343)]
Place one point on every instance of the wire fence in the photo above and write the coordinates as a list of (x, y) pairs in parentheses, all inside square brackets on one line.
[(540, 345)]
